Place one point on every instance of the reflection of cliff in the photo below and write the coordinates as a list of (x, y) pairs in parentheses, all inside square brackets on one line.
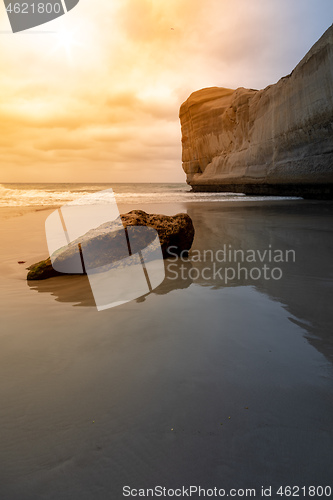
[(278, 140), (306, 288)]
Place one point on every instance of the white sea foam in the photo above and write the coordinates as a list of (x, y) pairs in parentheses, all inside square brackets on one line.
[(59, 194)]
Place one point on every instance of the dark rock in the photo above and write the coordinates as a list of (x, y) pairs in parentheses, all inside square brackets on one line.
[(42, 270), (109, 243), (173, 231)]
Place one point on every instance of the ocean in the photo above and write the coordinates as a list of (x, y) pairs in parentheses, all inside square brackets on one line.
[(49, 194)]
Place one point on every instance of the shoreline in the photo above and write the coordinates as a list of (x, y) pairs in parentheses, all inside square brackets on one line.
[(14, 210), (309, 191)]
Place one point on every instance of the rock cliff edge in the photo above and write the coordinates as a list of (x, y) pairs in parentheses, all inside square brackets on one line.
[(275, 141)]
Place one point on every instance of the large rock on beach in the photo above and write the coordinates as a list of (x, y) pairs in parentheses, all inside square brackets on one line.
[(109, 243), (276, 141)]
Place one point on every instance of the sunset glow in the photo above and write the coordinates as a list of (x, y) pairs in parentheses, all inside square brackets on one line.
[(96, 97), (67, 41)]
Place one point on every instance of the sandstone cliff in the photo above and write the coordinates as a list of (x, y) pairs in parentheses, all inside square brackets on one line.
[(273, 141)]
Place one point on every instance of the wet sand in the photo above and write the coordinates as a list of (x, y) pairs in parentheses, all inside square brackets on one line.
[(199, 383)]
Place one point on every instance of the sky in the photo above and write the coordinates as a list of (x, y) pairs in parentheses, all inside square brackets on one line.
[(94, 95)]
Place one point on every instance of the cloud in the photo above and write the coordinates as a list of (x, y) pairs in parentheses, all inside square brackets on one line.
[(105, 107)]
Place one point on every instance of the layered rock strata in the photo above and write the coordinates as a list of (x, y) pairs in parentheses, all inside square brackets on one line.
[(275, 141)]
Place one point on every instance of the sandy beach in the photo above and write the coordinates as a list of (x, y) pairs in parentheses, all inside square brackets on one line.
[(201, 382), (193, 356)]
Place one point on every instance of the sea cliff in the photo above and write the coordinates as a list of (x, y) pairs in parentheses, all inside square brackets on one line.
[(275, 141)]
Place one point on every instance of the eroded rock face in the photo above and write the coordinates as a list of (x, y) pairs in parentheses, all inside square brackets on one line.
[(108, 244), (273, 141)]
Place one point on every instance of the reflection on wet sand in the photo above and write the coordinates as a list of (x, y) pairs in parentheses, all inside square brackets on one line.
[(76, 289), (306, 286), (306, 283)]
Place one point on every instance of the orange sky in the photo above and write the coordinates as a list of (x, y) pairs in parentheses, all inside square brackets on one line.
[(98, 100)]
